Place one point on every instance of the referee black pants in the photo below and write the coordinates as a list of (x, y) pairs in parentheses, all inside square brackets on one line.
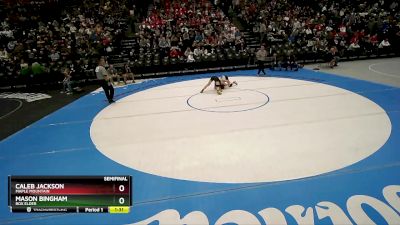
[(261, 67), (108, 90)]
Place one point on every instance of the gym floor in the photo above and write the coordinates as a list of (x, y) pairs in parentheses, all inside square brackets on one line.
[(306, 147)]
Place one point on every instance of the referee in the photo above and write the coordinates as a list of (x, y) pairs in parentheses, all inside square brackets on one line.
[(105, 80), (261, 56)]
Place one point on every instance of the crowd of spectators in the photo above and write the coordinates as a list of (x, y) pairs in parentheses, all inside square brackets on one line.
[(188, 30), (310, 28), (39, 37)]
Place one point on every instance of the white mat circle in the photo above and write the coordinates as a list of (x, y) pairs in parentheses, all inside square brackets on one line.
[(232, 100), (306, 129)]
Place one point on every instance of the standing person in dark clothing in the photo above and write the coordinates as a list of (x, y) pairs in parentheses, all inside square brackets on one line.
[(275, 63), (105, 81), (292, 62), (261, 56), (285, 62)]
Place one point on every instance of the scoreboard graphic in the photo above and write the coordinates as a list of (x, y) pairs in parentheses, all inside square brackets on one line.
[(75, 194)]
